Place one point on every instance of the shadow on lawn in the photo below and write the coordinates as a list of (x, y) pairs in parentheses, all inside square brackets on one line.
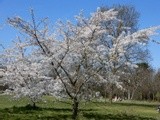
[(135, 104), (36, 113), (29, 108), (127, 104), (97, 116)]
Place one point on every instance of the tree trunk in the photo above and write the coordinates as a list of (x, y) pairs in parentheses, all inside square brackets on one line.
[(132, 94), (153, 96), (75, 109), (105, 95), (111, 94), (110, 98), (141, 97), (34, 105), (129, 94), (149, 97)]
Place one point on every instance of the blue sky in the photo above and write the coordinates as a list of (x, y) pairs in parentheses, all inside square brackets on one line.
[(66, 9)]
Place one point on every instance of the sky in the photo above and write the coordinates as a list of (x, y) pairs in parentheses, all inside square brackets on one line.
[(66, 10)]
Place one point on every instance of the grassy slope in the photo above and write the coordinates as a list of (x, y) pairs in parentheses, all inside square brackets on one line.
[(54, 110)]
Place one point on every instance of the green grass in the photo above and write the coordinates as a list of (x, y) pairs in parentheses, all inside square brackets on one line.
[(55, 110)]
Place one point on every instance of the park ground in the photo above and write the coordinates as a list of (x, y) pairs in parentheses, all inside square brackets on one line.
[(52, 109)]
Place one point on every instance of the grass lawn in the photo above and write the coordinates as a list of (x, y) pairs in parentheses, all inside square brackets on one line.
[(55, 110)]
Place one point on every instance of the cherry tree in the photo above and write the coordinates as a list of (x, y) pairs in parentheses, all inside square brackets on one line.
[(24, 75), (77, 55)]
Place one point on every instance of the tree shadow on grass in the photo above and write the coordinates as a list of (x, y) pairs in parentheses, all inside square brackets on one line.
[(28, 109), (36, 113), (127, 104), (97, 116), (67, 109), (136, 104), (23, 109)]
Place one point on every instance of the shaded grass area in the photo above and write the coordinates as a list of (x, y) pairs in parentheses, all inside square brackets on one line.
[(55, 110)]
